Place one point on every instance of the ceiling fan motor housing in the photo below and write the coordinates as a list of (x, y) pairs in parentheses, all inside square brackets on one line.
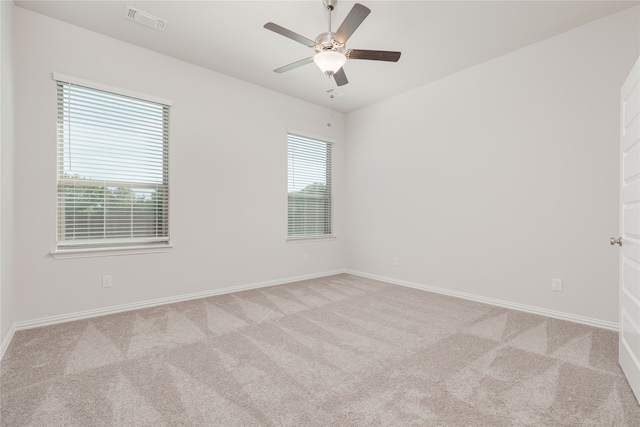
[(325, 41)]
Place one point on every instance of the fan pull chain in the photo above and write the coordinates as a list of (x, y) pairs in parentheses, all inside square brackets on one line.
[(329, 104)]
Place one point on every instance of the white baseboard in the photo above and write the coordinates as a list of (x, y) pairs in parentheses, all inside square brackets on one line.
[(500, 303), (7, 340), (52, 320)]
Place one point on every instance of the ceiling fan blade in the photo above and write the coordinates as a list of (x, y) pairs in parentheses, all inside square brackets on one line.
[(290, 34), (293, 65), (374, 55), (351, 22), (340, 77)]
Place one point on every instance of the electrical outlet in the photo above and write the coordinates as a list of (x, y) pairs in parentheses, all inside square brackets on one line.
[(556, 285), (395, 261), (106, 281), (306, 257)]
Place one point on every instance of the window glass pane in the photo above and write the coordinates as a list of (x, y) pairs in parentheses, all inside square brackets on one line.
[(112, 168), (309, 186)]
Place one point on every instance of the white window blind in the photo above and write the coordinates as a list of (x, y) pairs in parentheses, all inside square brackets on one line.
[(113, 169), (309, 187)]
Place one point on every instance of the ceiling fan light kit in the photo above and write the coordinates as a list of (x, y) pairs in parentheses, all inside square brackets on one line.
[(329, 61), (330, 48)]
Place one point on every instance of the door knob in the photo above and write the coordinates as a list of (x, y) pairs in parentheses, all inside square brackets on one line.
[(613, 241)]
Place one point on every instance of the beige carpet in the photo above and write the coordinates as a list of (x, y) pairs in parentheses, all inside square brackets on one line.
[(336, 351)]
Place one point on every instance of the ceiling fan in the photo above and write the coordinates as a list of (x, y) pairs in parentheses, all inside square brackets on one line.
[(330, 47)]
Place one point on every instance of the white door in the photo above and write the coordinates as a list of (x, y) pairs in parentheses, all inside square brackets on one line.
[(630, 229)]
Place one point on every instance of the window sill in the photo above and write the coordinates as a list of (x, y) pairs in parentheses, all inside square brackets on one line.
[(310, 238), (112, 251)]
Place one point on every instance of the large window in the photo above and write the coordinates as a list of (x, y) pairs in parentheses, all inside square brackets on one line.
[(113, 169), (309, 187)]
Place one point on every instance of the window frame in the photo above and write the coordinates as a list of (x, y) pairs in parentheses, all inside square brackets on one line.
[(127, 245), (292, 238)]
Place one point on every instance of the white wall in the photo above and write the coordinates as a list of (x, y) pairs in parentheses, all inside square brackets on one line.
[(228, 170), (488, 182), (7, 301), (495, 180)]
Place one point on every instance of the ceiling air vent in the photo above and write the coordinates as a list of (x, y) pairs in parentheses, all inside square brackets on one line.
[(144, 18)]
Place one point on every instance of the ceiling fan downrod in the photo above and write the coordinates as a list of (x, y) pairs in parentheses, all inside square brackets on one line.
[(329, 5)]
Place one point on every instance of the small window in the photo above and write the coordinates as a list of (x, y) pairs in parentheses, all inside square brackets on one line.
[(113, 169), (309, 187)]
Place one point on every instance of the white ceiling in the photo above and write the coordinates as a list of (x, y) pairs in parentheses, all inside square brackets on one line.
[(436, 38)]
